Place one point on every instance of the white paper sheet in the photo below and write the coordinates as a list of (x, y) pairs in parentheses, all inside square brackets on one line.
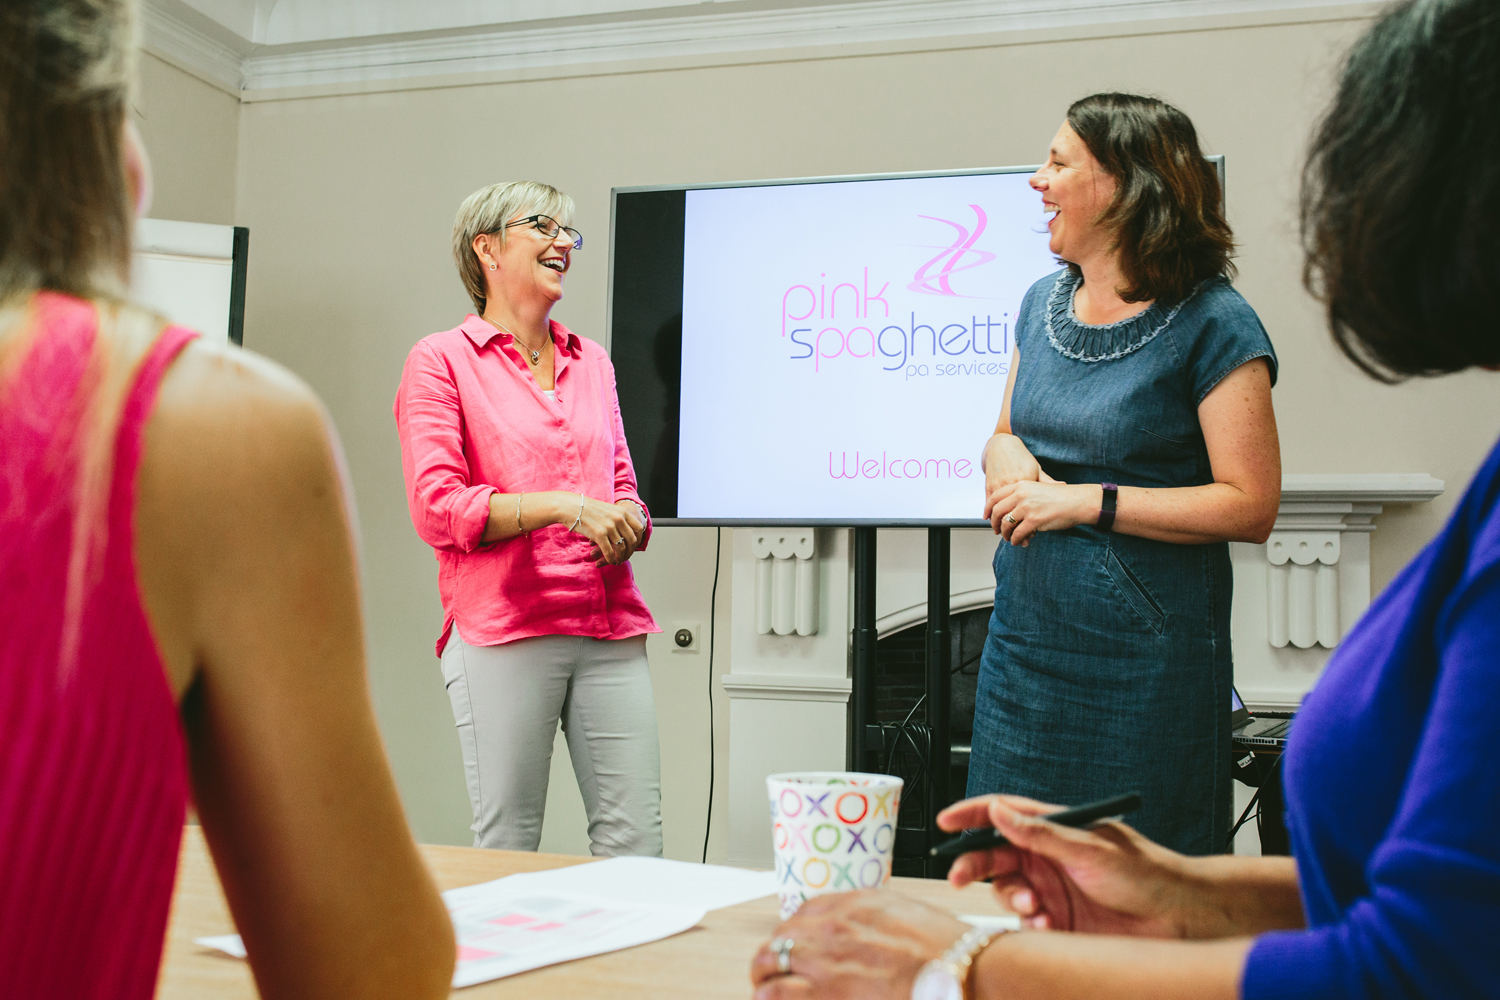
[(683, 882), (528, 921), (504, 929)]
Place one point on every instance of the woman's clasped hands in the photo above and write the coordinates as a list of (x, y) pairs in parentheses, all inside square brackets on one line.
[(1020, 499), (616, 529)]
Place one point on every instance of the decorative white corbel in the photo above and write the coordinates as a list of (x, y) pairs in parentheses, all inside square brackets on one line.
[(786, 581), (1309, 601), (1303, 587)]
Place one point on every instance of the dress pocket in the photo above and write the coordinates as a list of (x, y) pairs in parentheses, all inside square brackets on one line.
[(1135, 593), (1167, 442)]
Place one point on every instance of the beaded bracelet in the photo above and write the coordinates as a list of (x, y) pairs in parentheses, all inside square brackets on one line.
[(579, 518)]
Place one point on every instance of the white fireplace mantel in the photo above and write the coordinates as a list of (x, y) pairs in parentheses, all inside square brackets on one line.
[(1376, 488)]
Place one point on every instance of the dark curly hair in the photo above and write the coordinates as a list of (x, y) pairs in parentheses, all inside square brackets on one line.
[(1401, 193), (1167, 213)]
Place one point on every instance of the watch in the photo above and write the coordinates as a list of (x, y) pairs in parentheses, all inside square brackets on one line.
[(947, 976), (1109, 494)]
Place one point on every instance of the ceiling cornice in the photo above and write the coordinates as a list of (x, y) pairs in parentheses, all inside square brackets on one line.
[(197, 44)]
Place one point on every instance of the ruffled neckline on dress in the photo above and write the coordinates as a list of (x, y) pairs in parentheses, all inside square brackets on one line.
[(1085, 342)]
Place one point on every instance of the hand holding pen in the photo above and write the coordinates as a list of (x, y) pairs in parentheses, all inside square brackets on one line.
[(1087, 876), (985, 837)]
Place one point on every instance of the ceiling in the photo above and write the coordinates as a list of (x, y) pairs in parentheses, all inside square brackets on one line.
[(259, 47)]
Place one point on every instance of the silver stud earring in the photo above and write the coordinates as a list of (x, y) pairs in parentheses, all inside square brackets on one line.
[(494, 267)]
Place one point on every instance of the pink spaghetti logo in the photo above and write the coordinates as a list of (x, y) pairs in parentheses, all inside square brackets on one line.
[(934, 277), (846, 317)]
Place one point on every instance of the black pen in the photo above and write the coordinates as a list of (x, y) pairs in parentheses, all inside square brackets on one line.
[(982, 838)]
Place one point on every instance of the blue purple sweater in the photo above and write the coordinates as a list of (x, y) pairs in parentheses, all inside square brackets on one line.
[(1393, 789)]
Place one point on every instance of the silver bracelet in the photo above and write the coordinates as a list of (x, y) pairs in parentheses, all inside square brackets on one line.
[(519, 530), (577, 520)]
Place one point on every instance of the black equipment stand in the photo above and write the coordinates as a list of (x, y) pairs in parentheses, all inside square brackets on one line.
[(866, 737)]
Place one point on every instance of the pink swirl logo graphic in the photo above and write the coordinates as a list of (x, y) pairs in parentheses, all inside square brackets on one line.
[(834, 319), (935, 276)]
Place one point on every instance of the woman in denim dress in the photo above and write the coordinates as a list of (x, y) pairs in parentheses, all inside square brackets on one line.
[(1135, 440)]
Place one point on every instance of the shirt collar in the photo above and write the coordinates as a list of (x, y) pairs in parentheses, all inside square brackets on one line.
[(481, 331)]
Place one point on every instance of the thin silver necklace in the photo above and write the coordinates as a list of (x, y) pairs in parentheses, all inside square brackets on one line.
[(536, 355)]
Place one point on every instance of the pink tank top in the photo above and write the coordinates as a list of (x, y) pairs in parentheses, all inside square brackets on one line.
[(93, 781)]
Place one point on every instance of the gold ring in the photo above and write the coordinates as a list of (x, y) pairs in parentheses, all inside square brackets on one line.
[(1011, 519)]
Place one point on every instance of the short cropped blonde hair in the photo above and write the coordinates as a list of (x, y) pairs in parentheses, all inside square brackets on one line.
[(487, 210)]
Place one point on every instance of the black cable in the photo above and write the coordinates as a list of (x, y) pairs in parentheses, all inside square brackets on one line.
[(1271, 776), (890, 758), (713, 596), (905, 732), (1244, 816)]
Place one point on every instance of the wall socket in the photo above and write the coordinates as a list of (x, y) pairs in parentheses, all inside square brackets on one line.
[(686, 637)]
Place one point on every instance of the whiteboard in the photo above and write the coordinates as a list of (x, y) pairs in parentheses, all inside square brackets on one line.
[(193, 273)]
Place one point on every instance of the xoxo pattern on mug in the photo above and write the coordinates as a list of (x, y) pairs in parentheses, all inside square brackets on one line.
[(831, 832)]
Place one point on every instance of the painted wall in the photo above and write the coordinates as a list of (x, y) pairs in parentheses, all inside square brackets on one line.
[(349, 200), (191, 131)]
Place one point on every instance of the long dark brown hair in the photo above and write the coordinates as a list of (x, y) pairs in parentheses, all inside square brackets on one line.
[(1167, 215), (1401, 193)]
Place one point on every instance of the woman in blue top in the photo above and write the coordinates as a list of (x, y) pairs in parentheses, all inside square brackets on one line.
[(1392, 800), (1135, 440)]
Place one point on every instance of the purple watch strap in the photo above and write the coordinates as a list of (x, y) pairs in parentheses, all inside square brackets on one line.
[(1107, 507)]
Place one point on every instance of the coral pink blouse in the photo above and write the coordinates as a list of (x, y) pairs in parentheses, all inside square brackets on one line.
[(472, 422)]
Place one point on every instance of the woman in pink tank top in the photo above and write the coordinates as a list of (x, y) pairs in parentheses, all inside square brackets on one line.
[(178, 608)]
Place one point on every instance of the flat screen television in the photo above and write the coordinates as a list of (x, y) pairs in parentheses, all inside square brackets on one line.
[(820, 351)]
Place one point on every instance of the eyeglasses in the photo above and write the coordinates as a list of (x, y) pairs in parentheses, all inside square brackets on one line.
[(548, 227)]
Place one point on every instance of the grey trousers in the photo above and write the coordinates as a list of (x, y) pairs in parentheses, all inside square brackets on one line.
[(507, 703)]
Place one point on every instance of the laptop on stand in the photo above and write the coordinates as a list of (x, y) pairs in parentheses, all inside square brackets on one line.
[(1266, 732)]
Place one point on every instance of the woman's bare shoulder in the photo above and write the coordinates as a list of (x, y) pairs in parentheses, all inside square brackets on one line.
[(222, 385), (242, 436), (230, 421), (240, 474)]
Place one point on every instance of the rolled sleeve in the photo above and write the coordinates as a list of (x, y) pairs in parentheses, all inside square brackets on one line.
[(626, 487), (448, 511)]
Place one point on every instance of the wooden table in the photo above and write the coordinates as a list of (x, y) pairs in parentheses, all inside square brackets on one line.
[(710, 961)]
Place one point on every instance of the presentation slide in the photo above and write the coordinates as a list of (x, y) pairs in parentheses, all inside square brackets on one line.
[(845, 344)]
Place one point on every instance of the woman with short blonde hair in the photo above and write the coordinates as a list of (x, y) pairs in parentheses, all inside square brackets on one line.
[(518, 476)]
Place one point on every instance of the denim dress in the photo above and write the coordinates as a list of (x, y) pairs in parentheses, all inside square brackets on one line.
[(1107, 665)]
